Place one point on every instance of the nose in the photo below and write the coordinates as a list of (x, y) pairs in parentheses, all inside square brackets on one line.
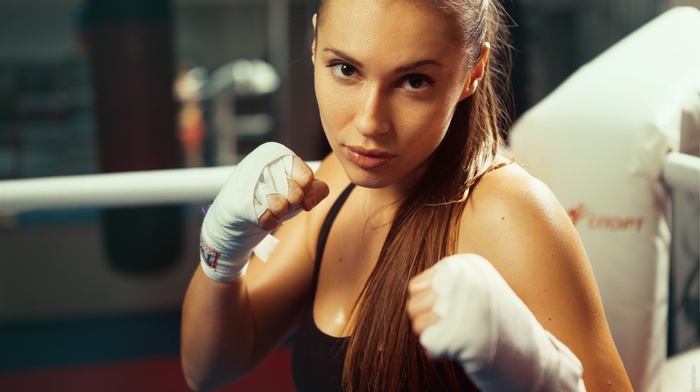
[(372, 116)]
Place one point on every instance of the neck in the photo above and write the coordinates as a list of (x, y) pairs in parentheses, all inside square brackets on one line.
[(379, 206)]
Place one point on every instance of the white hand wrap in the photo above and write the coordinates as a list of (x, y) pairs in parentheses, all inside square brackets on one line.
[(492, 333), (231, 227)]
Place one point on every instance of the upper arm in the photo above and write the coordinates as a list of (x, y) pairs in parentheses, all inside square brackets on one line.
[(515, 222)]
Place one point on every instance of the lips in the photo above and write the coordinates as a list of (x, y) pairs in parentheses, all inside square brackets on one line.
[(368, 158)]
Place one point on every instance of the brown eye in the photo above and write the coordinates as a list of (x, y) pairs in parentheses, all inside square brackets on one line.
[(343, 70), (347, 70), (416, 82)]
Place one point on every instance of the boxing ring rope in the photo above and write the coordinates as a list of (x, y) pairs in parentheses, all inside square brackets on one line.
[(196, 185), (127, 189), (682, 172)]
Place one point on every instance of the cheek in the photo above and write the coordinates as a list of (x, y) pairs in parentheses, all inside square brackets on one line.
[(330, 107), (428, 123)]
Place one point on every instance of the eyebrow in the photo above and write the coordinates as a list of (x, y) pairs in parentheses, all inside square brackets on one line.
[(401, 69)]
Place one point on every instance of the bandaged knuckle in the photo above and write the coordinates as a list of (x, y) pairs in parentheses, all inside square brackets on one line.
[(296, 193), (303, 177), (277, 205), (269, 221)]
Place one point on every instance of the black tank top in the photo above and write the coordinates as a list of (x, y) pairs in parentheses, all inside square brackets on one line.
[(317, 358)]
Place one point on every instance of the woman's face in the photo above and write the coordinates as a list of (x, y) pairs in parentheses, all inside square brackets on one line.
[(387, 79)]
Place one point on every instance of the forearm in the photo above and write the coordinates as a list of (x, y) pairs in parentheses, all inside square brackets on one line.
[(218, 337), (217, 332), (217, 328)]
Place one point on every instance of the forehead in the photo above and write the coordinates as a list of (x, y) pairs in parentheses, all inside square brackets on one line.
[(398, 29)]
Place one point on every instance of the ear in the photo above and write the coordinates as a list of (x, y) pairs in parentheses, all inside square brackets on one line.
[(313, 43), (477, 72)]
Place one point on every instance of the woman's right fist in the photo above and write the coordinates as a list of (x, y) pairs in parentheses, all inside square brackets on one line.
[(268, 187), (304, 191)]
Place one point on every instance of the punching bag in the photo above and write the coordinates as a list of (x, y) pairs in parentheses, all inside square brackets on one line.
[(131, 55)]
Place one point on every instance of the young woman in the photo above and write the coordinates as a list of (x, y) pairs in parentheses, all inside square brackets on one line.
[(434, 263)]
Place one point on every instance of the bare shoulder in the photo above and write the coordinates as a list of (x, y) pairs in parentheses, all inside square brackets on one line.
[(277, 288), (292, 260), (516, 222), (302, 231), (509, 190), (511, 202), (331, 172)]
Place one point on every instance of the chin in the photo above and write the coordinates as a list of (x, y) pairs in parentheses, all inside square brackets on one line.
[(368, 181), (365, 179)]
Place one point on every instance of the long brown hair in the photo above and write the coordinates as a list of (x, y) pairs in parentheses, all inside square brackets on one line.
[(383, 354)]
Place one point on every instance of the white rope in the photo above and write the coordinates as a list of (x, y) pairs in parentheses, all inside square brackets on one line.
[(682, 172), (141, 188), (112, 189), (198, 185)]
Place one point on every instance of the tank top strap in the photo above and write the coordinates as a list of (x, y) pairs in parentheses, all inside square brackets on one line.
[(326, 228)]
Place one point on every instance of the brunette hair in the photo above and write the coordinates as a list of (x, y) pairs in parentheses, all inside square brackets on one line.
[(383, 354)]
